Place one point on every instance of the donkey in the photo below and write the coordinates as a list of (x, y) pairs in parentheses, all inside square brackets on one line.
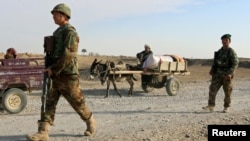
[(102, 71)]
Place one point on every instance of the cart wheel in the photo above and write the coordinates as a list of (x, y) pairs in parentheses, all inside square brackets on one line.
[(14, 100), (172, 86), (146, 88), (146, 83)]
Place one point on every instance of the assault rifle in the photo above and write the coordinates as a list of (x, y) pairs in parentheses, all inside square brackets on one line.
[(47, 81)]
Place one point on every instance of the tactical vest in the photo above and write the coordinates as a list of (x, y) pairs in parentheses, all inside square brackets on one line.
[(61, 45), (223, 59)]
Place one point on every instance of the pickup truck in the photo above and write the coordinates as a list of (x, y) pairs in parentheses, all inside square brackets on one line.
[(18, 77)]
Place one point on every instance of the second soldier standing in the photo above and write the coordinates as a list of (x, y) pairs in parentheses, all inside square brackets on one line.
[(225, 63), (64, 72)]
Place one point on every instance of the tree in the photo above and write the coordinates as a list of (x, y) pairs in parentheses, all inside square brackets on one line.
[(84, 51)]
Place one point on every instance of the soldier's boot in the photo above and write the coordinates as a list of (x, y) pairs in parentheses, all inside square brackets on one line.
[(42, 134), (91, 126), (208, 108), (226, 110)]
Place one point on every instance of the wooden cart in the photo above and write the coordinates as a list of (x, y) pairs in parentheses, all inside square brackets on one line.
[(162, 76)]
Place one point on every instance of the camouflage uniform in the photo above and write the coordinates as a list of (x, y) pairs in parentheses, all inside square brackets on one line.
[(8, 56), (225, 63), (65, 75)]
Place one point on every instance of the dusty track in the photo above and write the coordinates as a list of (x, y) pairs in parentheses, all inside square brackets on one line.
[(151, 116)]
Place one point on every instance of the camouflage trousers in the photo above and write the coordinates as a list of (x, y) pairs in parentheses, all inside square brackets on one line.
[(217, 82), (67, 86)]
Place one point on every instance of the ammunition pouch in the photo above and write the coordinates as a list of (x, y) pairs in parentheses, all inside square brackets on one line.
[(48, 43)]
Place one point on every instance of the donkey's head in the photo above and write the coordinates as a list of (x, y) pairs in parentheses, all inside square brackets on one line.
[(99, 69), (94, 69)]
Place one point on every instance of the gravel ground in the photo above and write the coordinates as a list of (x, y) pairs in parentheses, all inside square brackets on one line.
[(151, 116)]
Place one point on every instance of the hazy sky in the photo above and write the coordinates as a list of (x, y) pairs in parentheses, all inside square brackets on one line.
[(189, 28)]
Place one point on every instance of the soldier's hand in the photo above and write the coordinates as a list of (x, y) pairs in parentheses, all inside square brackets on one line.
[(229, 77), (49, 71), (211, 72)]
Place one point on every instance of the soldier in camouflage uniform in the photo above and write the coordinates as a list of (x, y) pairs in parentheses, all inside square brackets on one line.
[(222, 71), (65, 77)]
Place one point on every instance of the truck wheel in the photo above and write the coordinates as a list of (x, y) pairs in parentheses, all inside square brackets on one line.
[(172, 86), (146, 88), (14, 100)]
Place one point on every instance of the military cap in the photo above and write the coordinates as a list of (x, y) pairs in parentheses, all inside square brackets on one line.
[(228, 36)]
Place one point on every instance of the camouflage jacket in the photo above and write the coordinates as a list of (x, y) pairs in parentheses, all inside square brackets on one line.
[(8, 56), (225, 62), (64, 54)]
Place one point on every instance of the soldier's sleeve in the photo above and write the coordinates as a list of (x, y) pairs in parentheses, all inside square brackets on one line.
[(234, 62), (65, 59)]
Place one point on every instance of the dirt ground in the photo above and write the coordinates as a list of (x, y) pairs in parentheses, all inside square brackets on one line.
[(154, 116)]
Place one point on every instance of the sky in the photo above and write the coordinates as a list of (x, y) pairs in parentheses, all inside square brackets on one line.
[(188, 28)]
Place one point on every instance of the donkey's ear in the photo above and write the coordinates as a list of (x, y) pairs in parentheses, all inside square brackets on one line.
[(94, 61), (112, 64), (109, 63), (99, 61)]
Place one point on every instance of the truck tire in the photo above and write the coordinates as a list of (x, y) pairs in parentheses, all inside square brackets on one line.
[(147, 88), (14, 100), (172, 86)]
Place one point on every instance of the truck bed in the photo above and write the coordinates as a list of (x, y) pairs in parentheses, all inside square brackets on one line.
[(27, 73)]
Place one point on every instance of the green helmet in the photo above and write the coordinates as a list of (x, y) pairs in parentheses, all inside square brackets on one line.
[(62, 8)]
